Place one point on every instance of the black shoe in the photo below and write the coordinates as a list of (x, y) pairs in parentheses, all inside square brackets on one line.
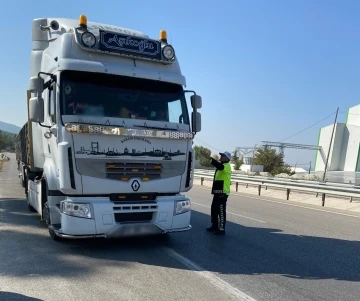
[(219, 232), (211, 229)]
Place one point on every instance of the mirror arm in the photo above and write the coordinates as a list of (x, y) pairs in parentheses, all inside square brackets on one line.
[(44, 126), (190, 91), (52, 76), (49, 82)]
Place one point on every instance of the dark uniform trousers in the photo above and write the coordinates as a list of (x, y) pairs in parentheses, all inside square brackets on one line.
[(218, 211)]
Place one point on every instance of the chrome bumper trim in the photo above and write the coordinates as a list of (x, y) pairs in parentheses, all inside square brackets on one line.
[(179, 230), (126, 230)]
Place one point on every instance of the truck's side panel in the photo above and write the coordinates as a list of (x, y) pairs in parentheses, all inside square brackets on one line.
[(35, 195)]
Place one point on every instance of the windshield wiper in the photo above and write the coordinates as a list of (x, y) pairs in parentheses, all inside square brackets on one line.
[(99, 124)]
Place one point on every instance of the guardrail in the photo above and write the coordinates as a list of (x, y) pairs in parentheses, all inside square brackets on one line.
[(285, 180), (288, 185)]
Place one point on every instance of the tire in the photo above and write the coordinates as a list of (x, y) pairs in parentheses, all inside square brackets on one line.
[(47, 219), (53, 234)]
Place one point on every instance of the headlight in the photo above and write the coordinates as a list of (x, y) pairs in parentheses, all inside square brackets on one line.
[(168, 52), (182, 206), (88, 39), (73, 209)]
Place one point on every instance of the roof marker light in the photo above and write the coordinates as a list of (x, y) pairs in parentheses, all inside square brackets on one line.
[(163, 36), (83, 21)]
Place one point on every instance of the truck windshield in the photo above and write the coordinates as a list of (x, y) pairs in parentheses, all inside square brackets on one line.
[(96, 94)]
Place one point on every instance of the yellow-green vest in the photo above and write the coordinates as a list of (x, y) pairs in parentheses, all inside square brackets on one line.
[(222, 180)]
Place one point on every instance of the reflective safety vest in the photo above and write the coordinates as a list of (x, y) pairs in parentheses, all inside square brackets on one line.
[(222, 180)]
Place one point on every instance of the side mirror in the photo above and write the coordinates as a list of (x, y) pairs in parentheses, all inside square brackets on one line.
[(196, 101), (36, 109), (36, 85), (196, 122)]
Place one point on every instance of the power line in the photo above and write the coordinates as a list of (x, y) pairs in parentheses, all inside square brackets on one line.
[(203, 142), (211, 146), (308, 127)]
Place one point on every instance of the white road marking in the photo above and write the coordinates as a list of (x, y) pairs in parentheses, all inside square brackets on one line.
[(283, 203), (212, 278), (253, 219)]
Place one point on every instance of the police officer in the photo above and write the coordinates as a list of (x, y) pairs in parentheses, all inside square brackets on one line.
[(221, 191)]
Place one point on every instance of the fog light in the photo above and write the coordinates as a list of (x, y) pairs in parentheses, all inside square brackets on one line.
[(182, 206), (76, 209)]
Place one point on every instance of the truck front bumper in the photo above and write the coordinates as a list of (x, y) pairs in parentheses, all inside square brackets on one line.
[(107, 219)]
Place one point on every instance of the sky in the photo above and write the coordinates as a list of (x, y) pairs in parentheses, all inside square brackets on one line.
[(266, 70)]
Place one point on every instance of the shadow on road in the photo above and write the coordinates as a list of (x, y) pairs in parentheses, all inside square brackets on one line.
[(244, 250), (7, 296)]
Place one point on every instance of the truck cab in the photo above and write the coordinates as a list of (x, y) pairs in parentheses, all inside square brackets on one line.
[(107, 149)]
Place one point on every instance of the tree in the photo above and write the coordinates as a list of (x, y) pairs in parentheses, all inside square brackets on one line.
[(7, 141), (238, 163), (199, 150), (283, 169), (1, 140), (236, 160), (273, 162), (235, 156)]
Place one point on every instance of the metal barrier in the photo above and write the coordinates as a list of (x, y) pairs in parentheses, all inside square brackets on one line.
[(288, 185), (283, 180)]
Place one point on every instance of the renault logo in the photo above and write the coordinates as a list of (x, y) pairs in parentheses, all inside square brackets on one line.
[(135, 185)]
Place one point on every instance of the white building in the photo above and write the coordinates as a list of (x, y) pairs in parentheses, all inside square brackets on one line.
[(344, 153)]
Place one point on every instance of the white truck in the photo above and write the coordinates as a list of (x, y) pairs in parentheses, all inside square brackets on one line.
[(107, 148)]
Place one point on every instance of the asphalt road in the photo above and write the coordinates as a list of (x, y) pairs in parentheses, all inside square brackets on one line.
[(272, 251)]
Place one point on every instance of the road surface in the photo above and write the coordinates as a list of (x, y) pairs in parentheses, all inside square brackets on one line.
[(272, 251)]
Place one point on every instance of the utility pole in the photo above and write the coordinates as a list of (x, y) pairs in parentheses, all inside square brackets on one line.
[(310, 167), (331, 139)]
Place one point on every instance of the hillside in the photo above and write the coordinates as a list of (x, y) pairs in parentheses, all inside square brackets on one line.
[(10, 128), (7, 141)]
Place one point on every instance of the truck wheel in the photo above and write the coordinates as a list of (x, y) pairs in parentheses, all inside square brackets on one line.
[(22, 178), (53, 234), (48, 222)]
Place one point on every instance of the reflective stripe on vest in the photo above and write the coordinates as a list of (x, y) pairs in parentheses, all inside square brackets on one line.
[(224, 176)]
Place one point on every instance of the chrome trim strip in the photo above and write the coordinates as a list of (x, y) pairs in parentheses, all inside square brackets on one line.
[(179, 230), (78, 128), (126, 230), (79, 236)]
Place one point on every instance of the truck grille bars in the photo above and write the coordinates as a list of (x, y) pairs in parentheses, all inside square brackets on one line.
[(126, 171)]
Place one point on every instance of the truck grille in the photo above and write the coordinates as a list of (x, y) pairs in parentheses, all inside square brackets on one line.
[(126, 171)]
